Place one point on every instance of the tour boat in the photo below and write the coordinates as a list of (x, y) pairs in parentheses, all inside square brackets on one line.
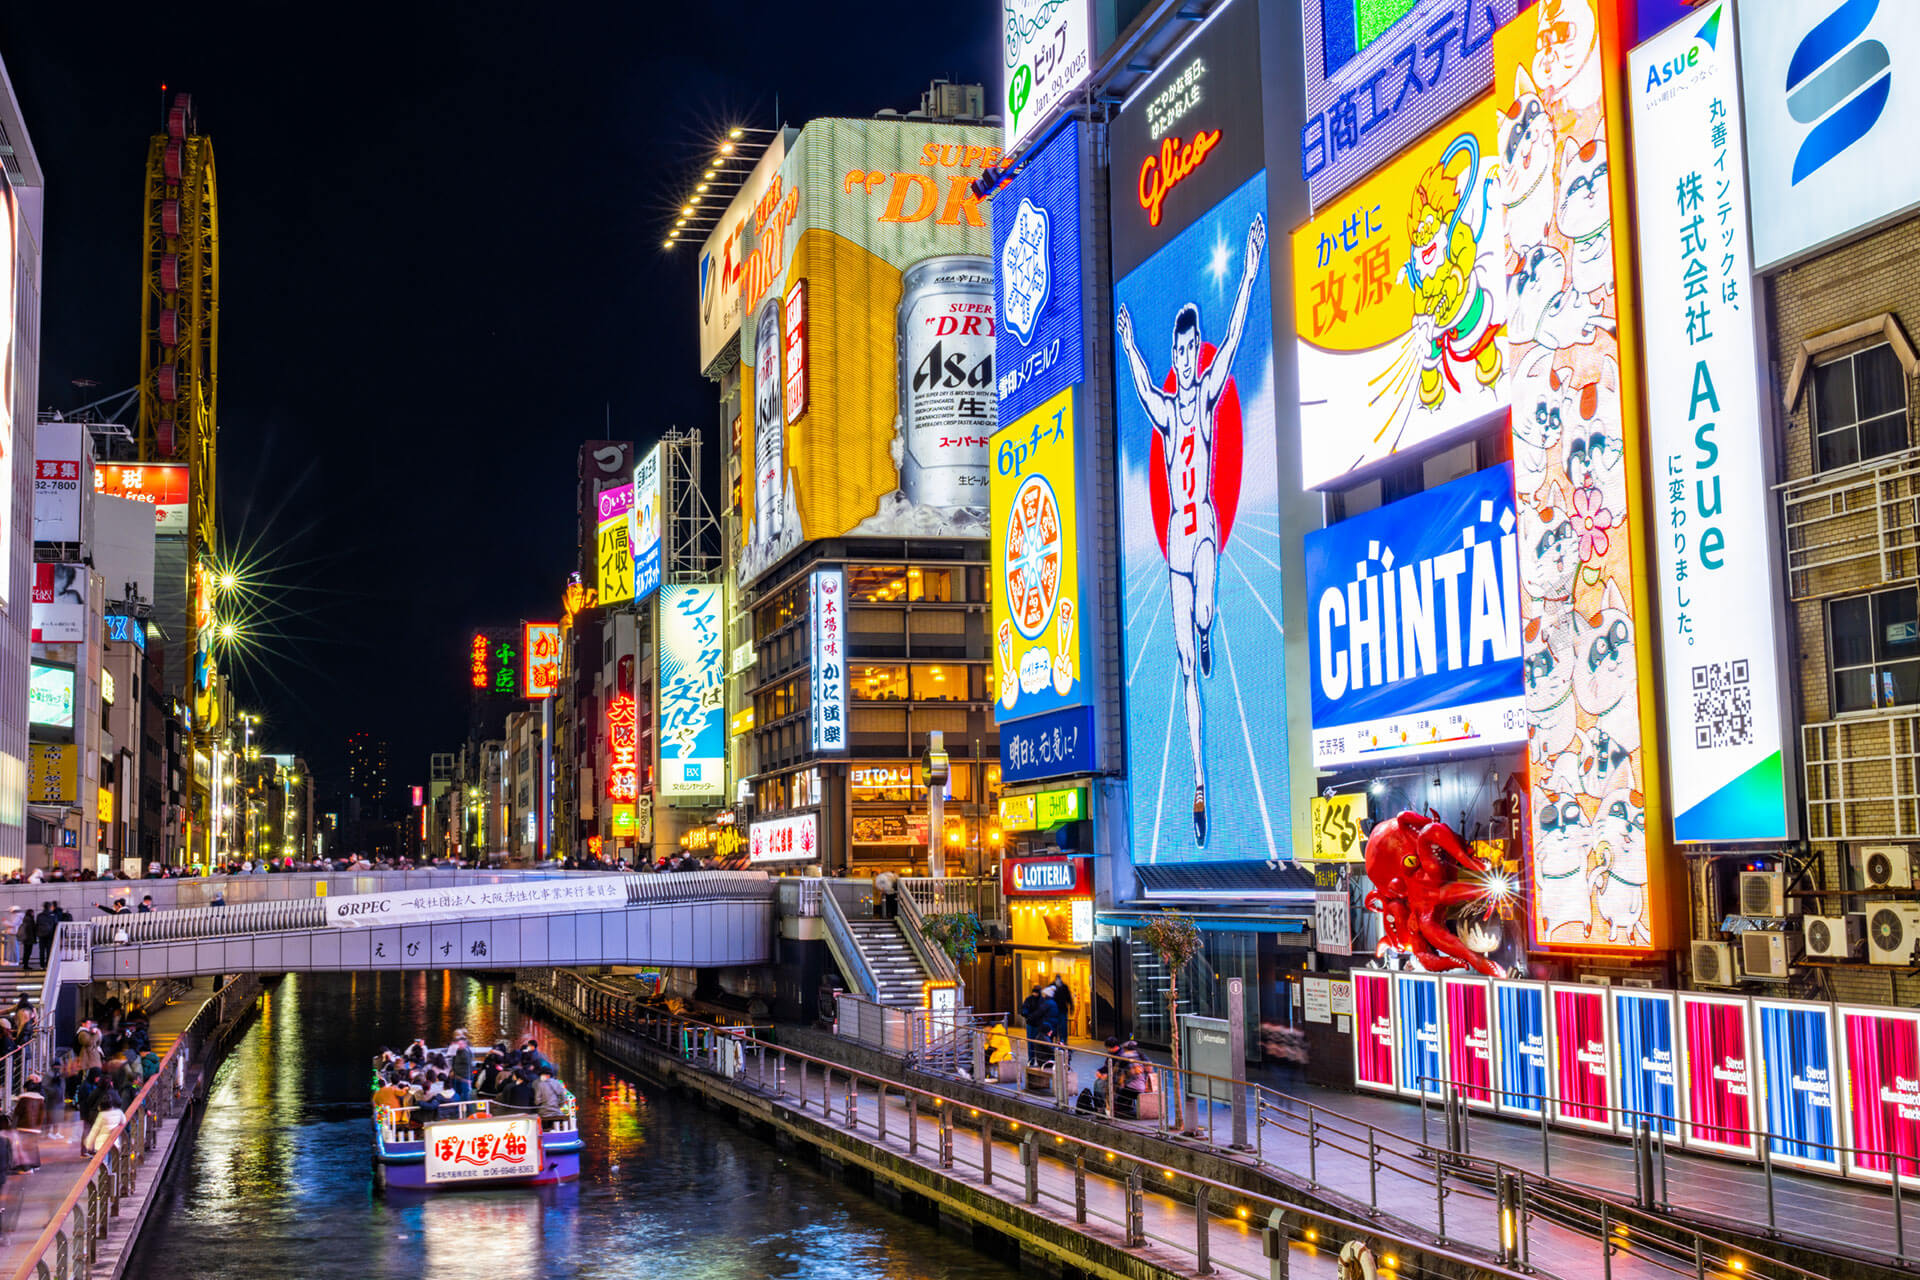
[(475, 1144)]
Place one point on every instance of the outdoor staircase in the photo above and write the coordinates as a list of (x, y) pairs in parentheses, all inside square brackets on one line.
[(1150, 983), (897, 972)]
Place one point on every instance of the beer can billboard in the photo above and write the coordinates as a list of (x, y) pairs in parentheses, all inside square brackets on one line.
[(878, 218), (1400, 304)]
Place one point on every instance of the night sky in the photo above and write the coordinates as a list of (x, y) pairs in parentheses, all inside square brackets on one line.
[(441, 270)]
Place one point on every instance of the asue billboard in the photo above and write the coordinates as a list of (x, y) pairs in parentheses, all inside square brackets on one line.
[(1415, 640)]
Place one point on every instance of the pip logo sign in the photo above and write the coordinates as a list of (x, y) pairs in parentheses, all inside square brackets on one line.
[(1839, 83)]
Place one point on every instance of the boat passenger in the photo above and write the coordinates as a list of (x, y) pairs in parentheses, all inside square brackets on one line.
[(550, 1095)]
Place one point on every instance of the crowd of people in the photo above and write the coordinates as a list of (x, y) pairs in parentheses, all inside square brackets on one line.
[(433, 1084), (1047, 1011)]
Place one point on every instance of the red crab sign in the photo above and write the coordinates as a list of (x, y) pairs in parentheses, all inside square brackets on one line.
[(1412, 861)]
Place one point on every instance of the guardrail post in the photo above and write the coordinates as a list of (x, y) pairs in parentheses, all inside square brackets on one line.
[(1202, 1264), (1136, 1210), (880, 1125), (979, 1058), (1440, 1196), (1030, 1157), (1063, 1077), (1313, 1151), (1080, 1188), (1373, 1172), (1766, 1163), (1606, 1241), (1523, 1215), (803, 1084), (1274, 1245), (946, 1137), (1546, 1148), (986, 1150), (853, 1102), (913, 1123), (1899, 1213)]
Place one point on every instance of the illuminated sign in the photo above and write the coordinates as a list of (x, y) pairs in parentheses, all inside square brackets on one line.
[(615, 552), (10, 274), (494, 662), (643, 536), (1400, 304), (1709, 452), (50, 696), (106, 686), (828, 631), (486, 1150), (1047, 56), (623, 742), (419, 796), (795, 329), (1043, 810), (540, 643), (125, 628), (53, 773), (59, 603), (1599, 882), (791, 839), (477, 661), (1379, 73), (742, 234), (692, 733), (1414, 638), (61, 452), (162, 485), (742, 722), (1040, 644), (626, 819), (1339, 828), (1039, 347), (1175, 162), (1047, 875)]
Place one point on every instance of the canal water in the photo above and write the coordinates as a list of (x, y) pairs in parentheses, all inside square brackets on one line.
[(280, 1180)]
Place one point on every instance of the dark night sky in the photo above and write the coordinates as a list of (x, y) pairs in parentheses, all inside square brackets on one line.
[(441, 262)]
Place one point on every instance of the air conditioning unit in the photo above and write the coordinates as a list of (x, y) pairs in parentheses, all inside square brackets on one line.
[(1885, 866), (1766, 953), (1892, 930), (1713, 964), (1834, 937), (1763, 893)]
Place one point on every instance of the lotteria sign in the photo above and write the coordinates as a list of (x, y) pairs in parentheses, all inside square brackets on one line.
[(1047, 876)]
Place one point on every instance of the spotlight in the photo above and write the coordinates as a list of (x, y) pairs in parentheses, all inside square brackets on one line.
[(229, 580), (701, 187), (726, 148), (708, 174), (688, 209), (734, 133)]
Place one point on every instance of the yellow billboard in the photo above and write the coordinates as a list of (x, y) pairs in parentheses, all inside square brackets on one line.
[(1400, 303), (866, 342), (1339, 828), (1039, 635), (52, 773), (615, 551)]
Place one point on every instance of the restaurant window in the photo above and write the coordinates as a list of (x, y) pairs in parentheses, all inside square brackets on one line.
[(875, 583), (1873, 650), (880, 683), (1859, 407), (930, 584), (941, 682)]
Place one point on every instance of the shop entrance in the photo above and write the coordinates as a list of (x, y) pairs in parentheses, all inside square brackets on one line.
[(1040, 967)]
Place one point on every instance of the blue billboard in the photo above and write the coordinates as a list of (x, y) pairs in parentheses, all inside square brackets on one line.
[(1415, 635), (1646, 1060), (1520, 1041), (1417, 1000), (1200, 544), (1802, 1080), (1038, 346), (1053, 745)]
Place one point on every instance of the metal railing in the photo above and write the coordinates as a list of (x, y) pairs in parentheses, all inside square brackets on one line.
[(799, 895), (69, 1246), (845, 947), (932, 957), (863, 1103), (940, 895)]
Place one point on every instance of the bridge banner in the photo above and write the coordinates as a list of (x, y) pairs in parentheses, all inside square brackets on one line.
[(539, 897)]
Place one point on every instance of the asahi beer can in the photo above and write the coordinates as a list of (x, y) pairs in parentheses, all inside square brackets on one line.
[(769, 426), (947, 402)]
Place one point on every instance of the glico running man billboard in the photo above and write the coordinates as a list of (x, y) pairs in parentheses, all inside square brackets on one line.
[(1599, 881), (1415, 639), (693, 729), (872, 228), (1199, 498)]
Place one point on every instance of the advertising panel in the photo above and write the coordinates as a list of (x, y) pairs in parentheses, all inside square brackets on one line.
[(59, 603), (614, 550), (540, 659), (161, 485), (1054, 745), (1378, 75), (1720, 1074), (1827, 153), (1039, 636), (1415, 642), (736, 263), (1049, 54), (828, 633), (411, 906), (643, 529), (50, 696), (1646, 1061), (493, 661), (1373, 1042), (1707, 440), (623, 751), (1031, 876), (1582, 1072), (880, 220), (791, 839), (483, 1150), (1468, 1006), (1599, 884), (53, 773), (9, 355), (59, 458), (1340, 828), (693, 730), (1881, 1049), (127, 630), (1199, 496), (1417, 1019), (1520, 1011), (1400, 304), (1039, 346), (1801, 1076)]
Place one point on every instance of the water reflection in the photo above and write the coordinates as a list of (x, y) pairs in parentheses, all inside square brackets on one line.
[(280, 1181)]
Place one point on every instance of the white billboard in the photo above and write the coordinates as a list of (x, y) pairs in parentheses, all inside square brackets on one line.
[(1708, 443), (483, 1150), (643, 530), (735, 259), (1832, 89), (62, 481), (1047, 54), (791, 839), (59, 603)]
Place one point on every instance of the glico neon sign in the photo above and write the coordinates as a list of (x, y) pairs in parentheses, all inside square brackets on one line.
[(1173, 164)]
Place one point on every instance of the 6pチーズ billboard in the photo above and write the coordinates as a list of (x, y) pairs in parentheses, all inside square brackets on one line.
[(693, 731), (1415, 636), (879, 219), (1400, 304), (1200, 544), (1040, 342), (1039, 631)]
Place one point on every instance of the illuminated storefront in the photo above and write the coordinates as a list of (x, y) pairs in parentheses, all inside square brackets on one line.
[(1050, 917)]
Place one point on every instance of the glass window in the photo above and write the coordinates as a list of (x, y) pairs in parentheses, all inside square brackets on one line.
[(879, 683), (1859, 407), (943, 682), (1873, 650), (876, 582), (930, 584)]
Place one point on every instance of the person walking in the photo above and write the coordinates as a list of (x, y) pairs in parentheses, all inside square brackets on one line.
[(1062, 997), (29, 1121), (112, 1111), (45, 925), (887, 886), (20, 935)]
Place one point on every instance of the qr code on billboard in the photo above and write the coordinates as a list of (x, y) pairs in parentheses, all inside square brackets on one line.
[(1722, 705)]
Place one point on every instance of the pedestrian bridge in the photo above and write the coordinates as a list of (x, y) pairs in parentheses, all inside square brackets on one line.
[(688, 919)]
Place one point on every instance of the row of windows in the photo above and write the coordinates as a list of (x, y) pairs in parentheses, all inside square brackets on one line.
[(887, 682)]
